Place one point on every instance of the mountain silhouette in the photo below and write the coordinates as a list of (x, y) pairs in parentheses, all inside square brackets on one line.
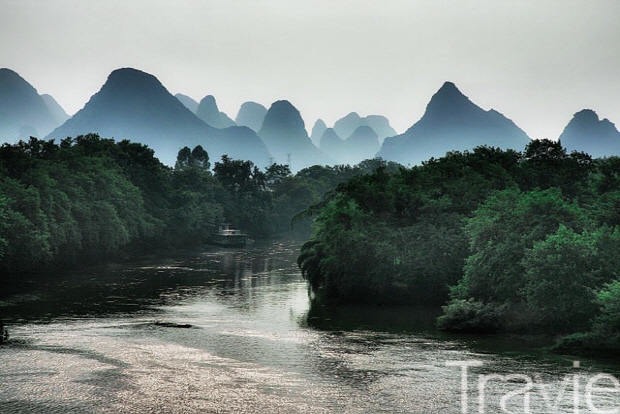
[(251, 115), (23, 112), (211, 115), (55, 109), (586, 132), (285, 135), (333, 145), (134, 105), (345, 126), (452, 122), (380, 124), (317, 132), (362, 144), (188, 101)]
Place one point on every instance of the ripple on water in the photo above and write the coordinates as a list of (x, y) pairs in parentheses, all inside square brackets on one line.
[(248, 348)]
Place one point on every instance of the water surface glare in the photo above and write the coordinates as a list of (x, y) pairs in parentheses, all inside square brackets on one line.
[(231, 331)]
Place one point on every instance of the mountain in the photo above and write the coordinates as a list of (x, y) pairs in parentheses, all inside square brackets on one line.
[(134, 105), (380, 124), (55, 109), (23, 112), (251, 115), (345, 126), (189, 102), (362, 144), (333, 145), (285, 135), (587, 133), (211, 115), (452, 122), (317, 132)]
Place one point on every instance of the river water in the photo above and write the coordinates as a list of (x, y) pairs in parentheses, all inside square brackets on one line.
[(231, 331)]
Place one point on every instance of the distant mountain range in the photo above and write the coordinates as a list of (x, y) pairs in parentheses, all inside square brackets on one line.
[(23, 112), (251, 115), (285, 134), (345, 126), (189, 102), (135, 105), (452, 122), (209, 112), (363, 143), (587, 133)]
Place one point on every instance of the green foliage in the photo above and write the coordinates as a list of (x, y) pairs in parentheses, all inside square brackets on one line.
[(604, 336), (524, 240), (562, 273), (606, 325), (470, 316), (247, 203), (25, 229), (501, 230), (546, 164), (196, 158), (86, 198)]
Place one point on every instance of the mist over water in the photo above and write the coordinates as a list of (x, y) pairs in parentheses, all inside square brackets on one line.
[(232, 331)]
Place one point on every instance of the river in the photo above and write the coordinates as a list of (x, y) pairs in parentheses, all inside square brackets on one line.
[(231, 331)]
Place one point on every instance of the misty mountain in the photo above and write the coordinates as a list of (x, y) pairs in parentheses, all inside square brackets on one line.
[(285, 135), (188, 101), (586, 132), (134, 105), (211, 115), (361, 145), (333, 145), (251, 115), (23, 112), (55, 109), (380, 124), (452, 122), (318, 130), (345, 126)]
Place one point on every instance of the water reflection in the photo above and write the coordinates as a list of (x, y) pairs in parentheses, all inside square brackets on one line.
[(139, 286), (232, 331)]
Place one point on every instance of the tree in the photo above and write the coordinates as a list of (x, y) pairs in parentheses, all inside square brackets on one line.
[(501, 230), (275, 174), (546, 164), (184, 159), (247, 203), (200, 158), (563, 272)]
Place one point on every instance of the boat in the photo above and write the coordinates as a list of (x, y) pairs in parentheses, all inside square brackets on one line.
[(228, 237)]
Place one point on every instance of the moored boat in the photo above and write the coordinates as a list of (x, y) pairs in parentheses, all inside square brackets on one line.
[(228, 237)]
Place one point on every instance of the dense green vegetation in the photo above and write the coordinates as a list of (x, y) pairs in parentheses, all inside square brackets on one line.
[(513, 241), (90, 198), (507, 241)]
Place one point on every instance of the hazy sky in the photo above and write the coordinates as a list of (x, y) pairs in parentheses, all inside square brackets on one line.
[(535, 61)]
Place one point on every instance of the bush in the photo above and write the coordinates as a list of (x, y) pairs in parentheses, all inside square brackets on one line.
[(470, 316)]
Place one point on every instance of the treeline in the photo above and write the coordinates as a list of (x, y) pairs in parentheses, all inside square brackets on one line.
[(90, 198), (522, 242)]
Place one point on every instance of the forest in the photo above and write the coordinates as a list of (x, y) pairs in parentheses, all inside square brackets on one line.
[(90, 198), (506, 242)]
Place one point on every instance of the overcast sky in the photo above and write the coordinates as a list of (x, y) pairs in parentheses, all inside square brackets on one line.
[(536, 61)]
